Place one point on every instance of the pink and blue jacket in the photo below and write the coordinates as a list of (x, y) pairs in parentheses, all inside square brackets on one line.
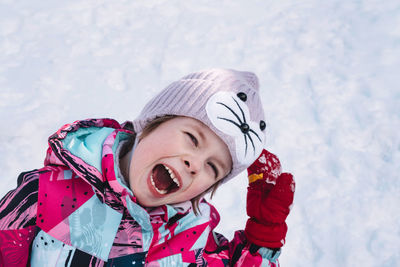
[(77, 211)]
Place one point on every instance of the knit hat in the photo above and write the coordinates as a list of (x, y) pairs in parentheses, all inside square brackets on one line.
[(225, 100)]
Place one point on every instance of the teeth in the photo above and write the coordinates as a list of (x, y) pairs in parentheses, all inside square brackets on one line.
[(176, 181), (171, 173), (162, 192)]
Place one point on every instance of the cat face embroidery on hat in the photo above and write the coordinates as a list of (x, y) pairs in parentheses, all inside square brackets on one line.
[(229, 113)]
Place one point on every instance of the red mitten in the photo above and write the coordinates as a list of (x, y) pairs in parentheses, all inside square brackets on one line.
[(269, 197)]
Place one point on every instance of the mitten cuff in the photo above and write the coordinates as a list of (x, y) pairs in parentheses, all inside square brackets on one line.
[(271, 235)]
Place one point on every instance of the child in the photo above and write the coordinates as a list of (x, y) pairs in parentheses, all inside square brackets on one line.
[(132, 194)]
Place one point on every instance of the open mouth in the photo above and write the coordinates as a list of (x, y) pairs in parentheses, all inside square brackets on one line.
[(164, 179)]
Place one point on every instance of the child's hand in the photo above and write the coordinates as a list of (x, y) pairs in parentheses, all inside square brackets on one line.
[(269, 198)]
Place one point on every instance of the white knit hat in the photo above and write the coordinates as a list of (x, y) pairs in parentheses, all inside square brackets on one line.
[(225, 100)]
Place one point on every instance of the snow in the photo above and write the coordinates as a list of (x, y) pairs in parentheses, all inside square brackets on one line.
[(329, 78)]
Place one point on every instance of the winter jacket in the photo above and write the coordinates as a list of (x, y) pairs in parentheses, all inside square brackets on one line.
[(76, 211)]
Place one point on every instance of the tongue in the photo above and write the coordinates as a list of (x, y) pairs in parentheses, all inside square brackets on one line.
[(161, 177)]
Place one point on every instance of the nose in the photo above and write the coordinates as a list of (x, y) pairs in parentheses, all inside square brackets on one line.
[(192, 165)]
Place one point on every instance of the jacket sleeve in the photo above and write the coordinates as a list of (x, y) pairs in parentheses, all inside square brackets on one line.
[(18, 220), (219, 251)]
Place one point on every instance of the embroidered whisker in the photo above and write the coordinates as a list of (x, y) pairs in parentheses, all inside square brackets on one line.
[(231, 121), (252, 143), (231, 110), (245, 141), (241, 110), (255, 134)]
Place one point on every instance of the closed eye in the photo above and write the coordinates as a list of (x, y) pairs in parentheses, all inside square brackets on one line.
[(214, 168), (193, 139)]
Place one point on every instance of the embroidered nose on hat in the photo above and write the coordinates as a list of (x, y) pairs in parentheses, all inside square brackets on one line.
[(225, 100)]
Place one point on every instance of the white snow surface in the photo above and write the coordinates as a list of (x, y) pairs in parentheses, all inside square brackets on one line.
[(329, 75)]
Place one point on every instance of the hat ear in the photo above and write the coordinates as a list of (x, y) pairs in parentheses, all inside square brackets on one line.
[(251, 79)]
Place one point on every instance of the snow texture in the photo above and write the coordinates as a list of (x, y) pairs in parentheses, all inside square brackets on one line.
[(329, 75)]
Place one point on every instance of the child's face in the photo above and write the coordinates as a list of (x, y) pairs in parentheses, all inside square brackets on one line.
[(177, 161)]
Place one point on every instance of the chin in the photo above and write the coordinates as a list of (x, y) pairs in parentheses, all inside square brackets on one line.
[(149, 203)]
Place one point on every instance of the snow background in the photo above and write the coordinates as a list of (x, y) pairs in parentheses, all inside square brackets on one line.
[(329, 74)]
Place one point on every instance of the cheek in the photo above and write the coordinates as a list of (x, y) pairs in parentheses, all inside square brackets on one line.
[(160, 144), (200, 187), (148, 149)]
